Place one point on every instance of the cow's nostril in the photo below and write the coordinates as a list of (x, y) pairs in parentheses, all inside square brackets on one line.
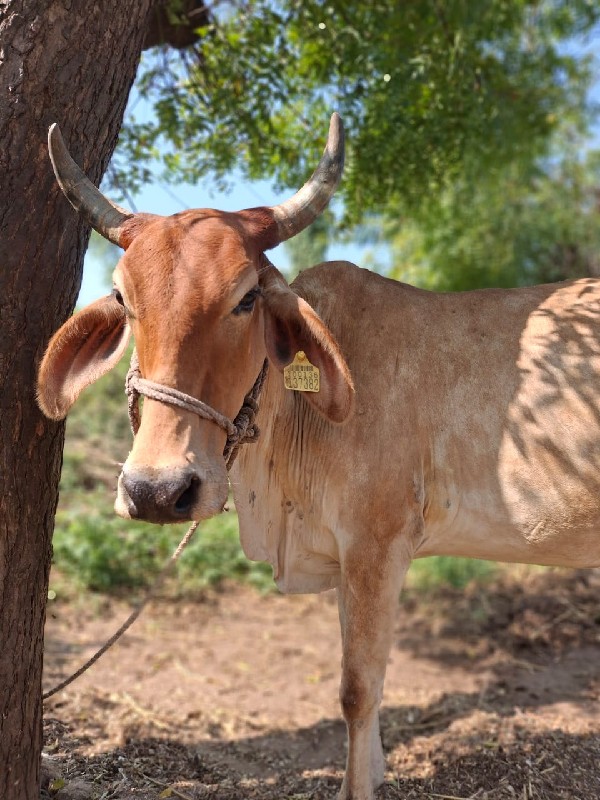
[(187, 499)]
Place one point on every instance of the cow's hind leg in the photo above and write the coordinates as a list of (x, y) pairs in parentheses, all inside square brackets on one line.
[(368, 599)]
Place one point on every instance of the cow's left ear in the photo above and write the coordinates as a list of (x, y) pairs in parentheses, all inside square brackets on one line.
[(86, 347), (292, 325)]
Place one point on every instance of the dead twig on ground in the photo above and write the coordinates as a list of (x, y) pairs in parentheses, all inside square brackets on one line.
[(162, 785)]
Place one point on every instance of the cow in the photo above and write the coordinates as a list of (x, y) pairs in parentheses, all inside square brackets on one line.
[(457, 424)]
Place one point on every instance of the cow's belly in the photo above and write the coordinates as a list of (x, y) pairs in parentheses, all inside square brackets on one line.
[(538, 544), (552, 525), (547, 469), (550, 490), (525, 489)]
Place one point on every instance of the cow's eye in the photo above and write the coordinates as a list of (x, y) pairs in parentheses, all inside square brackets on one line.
[(246, 304), (118, 296)]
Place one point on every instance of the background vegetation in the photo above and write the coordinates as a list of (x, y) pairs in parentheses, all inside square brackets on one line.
[(96, 550), (471, 160), (468, 125)]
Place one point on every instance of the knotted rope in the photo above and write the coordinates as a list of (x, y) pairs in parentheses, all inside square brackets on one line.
[(243, 430)]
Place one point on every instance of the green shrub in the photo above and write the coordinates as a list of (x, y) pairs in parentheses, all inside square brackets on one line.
[(105, 553), (438, 571), (215, 555)]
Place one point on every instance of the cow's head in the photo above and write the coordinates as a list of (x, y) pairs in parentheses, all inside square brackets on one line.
[(204, 306)]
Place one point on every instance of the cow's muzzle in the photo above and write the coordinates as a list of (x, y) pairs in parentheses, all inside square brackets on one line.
[(166, 496)]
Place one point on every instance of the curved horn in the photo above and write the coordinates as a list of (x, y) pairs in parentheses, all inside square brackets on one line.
[(304, 207), (105, 217)]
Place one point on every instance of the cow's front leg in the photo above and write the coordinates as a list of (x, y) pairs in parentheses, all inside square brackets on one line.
[(368, 599)]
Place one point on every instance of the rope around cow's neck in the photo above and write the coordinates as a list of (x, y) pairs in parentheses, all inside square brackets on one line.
[(243, 430)]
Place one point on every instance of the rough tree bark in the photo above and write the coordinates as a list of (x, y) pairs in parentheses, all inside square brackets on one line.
[(73, 62)]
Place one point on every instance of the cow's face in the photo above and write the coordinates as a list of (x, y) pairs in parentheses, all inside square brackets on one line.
[(190, 289), (204, 307)]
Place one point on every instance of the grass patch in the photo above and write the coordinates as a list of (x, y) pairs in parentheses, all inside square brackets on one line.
[(101, 552), (427, 574)]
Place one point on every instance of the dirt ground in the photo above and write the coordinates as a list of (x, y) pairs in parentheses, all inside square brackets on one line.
[(490, 693)]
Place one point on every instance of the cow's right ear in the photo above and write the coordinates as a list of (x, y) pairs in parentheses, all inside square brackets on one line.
[(85, 348)]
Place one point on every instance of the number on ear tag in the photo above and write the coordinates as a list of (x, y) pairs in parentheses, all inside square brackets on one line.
[(301, 375)]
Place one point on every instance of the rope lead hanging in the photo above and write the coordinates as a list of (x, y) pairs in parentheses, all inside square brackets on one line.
[(243, 430)]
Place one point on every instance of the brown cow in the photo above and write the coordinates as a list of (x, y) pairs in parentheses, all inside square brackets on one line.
[(456, 424)]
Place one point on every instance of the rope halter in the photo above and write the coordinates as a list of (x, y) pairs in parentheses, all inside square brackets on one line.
[(242, 430)]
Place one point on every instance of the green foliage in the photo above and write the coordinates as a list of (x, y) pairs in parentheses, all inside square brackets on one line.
[(512, 228), (430, 93), (216, 555), (426, 574), (104, 553)]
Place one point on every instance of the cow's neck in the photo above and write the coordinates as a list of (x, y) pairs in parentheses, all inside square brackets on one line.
[(282, 498)]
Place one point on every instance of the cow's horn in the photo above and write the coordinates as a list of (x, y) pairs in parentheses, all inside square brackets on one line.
[(103, 215), (304, 207)]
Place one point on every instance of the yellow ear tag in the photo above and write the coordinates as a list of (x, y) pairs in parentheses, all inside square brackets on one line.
[(301, 375)]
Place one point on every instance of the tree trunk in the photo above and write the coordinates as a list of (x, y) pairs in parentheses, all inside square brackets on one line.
[(71, 62)]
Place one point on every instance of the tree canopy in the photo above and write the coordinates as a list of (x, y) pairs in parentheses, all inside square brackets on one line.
[(520, 227), (431, 93)]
